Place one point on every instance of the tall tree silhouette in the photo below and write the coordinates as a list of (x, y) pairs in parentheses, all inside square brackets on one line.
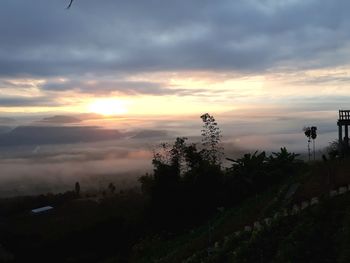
[(211, 138), (313, 137), (311, 134), (307, 132)]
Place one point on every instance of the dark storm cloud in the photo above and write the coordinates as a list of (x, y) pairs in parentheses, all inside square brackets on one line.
[(101, 38)]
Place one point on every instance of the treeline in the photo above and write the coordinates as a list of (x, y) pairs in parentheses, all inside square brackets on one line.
[(189, 183)]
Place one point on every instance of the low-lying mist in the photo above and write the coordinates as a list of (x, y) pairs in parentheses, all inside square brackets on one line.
[(39, 168), (56, 168)]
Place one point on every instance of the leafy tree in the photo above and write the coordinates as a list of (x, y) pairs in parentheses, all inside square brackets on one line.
[(164, 185), (253, 173), (187, 185), (185, 179), (283, 163), (193, 157), (211, 138), (283, 158), (251, 168)]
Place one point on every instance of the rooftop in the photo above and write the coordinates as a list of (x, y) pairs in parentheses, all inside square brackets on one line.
[(42, 209)]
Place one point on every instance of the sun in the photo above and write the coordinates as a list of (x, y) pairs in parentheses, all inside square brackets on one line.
[(107, 107)]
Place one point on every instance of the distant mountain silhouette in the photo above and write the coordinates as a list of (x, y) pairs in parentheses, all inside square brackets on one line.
[(60, 119), (37, 135)]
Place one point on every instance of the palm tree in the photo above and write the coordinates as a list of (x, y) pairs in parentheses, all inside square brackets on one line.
[(313, 137), (311, 134), (307, 132)]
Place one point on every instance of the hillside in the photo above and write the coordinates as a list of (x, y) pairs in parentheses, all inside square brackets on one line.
[(317, 234), (300, 220), (270, 226)]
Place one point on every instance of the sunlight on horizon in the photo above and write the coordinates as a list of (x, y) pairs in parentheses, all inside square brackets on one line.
[(108, 107)]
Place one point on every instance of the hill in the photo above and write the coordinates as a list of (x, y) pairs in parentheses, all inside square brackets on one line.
[(270, 226)]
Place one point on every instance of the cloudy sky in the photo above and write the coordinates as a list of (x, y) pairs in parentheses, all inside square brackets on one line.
[(285, 63), (263, 68)]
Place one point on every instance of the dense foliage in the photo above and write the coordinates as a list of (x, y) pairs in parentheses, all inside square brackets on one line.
[(189, 184)]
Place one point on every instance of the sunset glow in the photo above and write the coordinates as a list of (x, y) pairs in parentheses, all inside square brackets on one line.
[(154, 71), (147, 121), (107, 107)]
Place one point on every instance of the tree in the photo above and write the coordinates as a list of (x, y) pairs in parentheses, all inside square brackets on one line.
[(283, 162), (186, 183), (307, 132), (251, 168), (211, 138), (313, 137), (333, 150), (171, 155), (283, 157), (169, 164), (311, 134)]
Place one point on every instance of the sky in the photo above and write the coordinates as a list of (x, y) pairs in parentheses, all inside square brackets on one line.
[(264, 68), (259, 66)]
